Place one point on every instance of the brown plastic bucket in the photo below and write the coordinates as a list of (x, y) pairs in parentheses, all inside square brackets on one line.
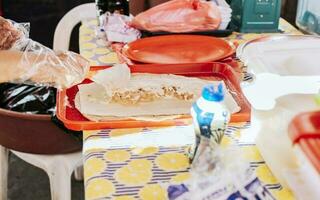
[(36, 134)]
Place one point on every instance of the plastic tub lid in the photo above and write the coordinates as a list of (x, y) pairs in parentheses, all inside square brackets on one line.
[(281, 54)]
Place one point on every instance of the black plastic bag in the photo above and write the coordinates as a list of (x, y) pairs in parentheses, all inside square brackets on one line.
[(33, 100), (28, 98)]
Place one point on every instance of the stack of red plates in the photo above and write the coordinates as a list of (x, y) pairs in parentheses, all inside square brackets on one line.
[(304, 130)]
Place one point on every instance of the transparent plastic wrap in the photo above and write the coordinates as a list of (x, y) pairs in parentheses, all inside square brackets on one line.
[(11, 32), (179, 16), (220, 173), (23, 60)]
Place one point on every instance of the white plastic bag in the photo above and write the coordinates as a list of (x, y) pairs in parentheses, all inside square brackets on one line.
[(117, 29), (220, 174), (179, 16)]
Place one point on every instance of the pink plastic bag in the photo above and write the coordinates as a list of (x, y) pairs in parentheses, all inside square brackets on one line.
[(179, 16)]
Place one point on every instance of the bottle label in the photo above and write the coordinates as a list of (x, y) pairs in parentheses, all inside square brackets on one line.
[(211, 125)]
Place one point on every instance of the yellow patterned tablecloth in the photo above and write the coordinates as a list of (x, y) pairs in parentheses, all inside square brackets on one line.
[(125, 174)]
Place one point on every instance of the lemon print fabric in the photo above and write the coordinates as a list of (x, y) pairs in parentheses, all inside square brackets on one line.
[(124, 198), (93, 167), (101, 51), (121, 132), (92, 22), (282, 194), (87, 134), (265, 175), (145, 151), (180, 178), (137, 172), (226, 141), (88, 46), (86, 38), (251, 154), (172, 162), (99, 188), (141, 164), (117, 156), (153, 192), (109, 58), (85, 31), (87, 54), (94, 63)]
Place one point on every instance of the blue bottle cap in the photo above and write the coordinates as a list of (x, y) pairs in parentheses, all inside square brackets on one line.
[(212, 93)]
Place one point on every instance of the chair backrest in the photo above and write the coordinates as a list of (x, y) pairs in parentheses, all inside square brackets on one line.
[(64, 28)]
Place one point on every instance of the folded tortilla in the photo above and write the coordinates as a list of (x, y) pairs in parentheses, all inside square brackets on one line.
[(142, 96)]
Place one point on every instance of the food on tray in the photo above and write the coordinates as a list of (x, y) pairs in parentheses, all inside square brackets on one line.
[(9, 34), (146, 87), (179, 16), (140, 95)]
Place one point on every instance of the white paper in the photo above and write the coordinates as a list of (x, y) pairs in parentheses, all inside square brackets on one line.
[(164, 137)]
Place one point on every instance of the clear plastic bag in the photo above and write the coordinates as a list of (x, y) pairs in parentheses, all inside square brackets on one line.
[(11, 32), (220, 173), (23, 60), (179, 16)]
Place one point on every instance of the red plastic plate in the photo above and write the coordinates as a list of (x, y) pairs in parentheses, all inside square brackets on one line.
[(177, 49)]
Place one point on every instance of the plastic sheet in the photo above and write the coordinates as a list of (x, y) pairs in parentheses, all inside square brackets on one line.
[(26, 61), (180, 16), (11, 32), (32, 99), (220, 173), (27, 98)]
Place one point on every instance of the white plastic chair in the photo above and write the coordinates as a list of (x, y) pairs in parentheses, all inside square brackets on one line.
[(58, 167), (63, 30)]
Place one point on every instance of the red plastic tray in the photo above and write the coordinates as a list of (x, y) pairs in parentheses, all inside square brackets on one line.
[(304, 130), (73, 119)]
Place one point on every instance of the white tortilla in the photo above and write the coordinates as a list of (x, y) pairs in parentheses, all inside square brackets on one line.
[(95, 98), (97, 106), (114, 77)]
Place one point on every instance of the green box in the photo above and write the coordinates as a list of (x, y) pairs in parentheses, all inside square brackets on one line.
[(257, 16)]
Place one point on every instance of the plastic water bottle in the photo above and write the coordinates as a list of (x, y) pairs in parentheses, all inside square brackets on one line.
[(210, 118)]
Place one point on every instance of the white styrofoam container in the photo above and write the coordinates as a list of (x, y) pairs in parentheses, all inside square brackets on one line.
[(288, 96)]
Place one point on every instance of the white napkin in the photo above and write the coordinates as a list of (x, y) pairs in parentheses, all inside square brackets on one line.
[(117, 28)]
